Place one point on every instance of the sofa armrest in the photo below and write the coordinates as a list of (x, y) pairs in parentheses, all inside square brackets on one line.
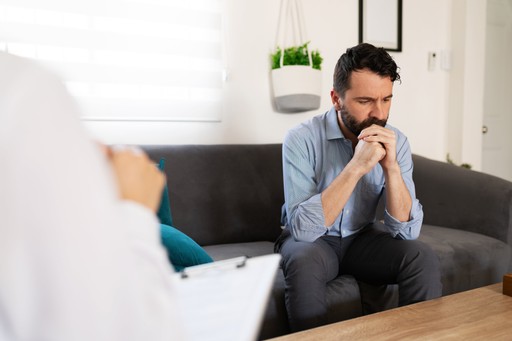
[(462, 199)]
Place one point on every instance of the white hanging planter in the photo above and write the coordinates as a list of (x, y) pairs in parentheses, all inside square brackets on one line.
[(297, 88)]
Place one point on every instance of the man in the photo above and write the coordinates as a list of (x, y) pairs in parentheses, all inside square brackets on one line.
[(336, 168)]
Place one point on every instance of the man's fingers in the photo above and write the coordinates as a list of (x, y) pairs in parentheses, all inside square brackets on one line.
[(375, 130), (371, 130), (383, 140), (378, 134)]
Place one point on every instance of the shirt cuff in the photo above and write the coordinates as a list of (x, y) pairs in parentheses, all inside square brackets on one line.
[(409, 229), (308, 220)]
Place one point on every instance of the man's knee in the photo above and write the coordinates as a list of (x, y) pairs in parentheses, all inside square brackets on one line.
[(420, 260), (421, 254), (315, 259), (420, 275)]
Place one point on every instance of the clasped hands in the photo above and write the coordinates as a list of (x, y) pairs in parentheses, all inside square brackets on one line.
[(376, 145)]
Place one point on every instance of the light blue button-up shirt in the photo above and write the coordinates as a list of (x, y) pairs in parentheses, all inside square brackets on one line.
[(314, 153)]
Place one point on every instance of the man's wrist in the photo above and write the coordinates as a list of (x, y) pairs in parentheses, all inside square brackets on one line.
[(392, 170), (354, 169)]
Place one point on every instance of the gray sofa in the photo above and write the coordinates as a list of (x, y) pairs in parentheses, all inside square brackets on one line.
[(228, 198)]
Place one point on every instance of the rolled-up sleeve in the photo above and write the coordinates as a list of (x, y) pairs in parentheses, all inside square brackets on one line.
[(304, 212), (409, 229)]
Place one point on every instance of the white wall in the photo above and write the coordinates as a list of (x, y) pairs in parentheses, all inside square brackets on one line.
[(421, 102)]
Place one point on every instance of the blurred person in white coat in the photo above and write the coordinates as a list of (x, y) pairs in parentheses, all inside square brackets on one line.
[(80, 254)]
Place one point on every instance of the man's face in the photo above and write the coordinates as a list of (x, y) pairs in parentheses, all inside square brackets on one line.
[(356, 127), (367, 102)]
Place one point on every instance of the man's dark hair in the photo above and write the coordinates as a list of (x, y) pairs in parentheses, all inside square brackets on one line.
[(363, 56)]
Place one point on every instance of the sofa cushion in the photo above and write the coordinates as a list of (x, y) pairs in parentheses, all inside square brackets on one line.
[(252, 249), (468, 260), (181, 249)]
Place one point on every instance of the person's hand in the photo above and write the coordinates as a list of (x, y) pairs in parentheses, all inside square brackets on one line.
[(367, 155), (384, 137), (138, 179)]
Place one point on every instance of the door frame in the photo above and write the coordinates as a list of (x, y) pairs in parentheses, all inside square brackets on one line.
[(464, 133)]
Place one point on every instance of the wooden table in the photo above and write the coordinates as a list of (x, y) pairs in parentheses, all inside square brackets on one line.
[(478, 314)]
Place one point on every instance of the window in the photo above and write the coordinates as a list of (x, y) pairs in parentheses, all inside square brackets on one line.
[(126, 59)]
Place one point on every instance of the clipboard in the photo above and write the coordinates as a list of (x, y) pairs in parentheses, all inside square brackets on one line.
[(226, 300), (219, 266)]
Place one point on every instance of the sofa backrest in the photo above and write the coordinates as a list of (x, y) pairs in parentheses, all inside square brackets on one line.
[(234, 193), (224, 193)]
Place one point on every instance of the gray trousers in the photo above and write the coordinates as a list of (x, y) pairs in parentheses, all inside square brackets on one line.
[(372, 256)]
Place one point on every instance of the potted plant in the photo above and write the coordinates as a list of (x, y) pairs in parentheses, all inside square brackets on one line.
[(296, 78)]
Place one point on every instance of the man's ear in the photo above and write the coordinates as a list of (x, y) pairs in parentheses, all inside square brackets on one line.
[(336, 100)]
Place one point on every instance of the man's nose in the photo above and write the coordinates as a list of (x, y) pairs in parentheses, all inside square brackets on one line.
[(378, 110)]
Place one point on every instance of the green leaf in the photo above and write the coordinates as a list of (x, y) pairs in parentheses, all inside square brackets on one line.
[(296, 55)]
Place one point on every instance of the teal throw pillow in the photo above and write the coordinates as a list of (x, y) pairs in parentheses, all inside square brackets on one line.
[(182, 250), (164, 211)]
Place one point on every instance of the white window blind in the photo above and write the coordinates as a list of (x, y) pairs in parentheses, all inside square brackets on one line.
[(126, 59)]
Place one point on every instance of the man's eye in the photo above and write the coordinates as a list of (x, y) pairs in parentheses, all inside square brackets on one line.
[(363, 101)]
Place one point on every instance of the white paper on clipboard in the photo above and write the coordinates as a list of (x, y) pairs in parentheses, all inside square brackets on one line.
[(226, 300)]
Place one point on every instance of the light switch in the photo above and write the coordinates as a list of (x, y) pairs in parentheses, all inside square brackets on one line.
[(432, 61)]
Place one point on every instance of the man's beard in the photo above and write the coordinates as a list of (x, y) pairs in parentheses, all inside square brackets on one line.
[(357, 127)]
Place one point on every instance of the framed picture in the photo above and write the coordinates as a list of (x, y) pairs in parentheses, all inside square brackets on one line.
[(380, 23)]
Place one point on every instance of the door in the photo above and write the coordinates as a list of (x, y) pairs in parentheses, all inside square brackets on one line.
[(497, 117)]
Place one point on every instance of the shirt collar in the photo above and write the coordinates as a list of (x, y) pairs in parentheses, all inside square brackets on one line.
[(332, 127)]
